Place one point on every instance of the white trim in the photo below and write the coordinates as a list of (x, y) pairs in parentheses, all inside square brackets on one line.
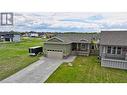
[(56, 38), (107, 50), (115, 49), (121, 50), (84, 40), (55, 43), (114, 60), (104, 49)]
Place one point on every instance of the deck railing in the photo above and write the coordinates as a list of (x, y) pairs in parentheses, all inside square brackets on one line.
[(121, 64), (86, 52)]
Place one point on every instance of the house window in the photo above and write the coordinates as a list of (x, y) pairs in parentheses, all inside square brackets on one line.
[(119, 50), (114, 50), (109, 49), (83, 46)]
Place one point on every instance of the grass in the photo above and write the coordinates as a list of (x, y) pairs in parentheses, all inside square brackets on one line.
[(14, 56), (87, 70)]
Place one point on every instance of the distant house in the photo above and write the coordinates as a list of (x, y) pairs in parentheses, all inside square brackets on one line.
[(40, 34), (8, 36), (24, 34), (113, 49), (49, 35), (33, 34), (44, 36), (63, 45)]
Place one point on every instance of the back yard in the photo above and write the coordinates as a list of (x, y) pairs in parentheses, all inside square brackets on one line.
[(87, 70), (14, 56)]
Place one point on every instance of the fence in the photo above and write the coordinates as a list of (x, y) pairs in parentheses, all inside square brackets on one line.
[(121, 64)]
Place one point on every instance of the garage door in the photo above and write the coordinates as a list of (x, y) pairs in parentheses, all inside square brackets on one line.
[(55, 54)]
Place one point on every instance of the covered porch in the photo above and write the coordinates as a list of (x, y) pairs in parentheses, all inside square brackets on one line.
[(114, 57), (80, 49)]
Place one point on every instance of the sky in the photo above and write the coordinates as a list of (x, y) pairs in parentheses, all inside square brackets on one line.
[(67, 22)]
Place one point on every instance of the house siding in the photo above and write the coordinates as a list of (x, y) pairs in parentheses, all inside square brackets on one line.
[(16, 38)]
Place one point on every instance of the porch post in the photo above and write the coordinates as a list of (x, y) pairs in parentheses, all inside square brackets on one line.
[(88, 47), (77, 46), (103, 52), (126, 56)]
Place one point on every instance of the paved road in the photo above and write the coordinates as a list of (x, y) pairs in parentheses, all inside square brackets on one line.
[(37, 72)]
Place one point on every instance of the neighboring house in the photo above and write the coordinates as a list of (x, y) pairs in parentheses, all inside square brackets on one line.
[(40, 34), (44, 36), (8, 36), (113, 49), (63, 45), (33, 34), (49, 34), (24, 34)]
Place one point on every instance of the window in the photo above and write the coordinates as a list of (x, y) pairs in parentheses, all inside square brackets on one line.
[(119, 50), (109, 49), (114, 50), (83, 45), (55, 50)]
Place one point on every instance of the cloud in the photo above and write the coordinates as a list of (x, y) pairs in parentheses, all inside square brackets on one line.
[(96, 17), (72, 20), (67, 22)]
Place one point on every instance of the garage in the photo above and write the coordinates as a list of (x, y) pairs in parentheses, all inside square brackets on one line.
[(7, 39), (58, 54)]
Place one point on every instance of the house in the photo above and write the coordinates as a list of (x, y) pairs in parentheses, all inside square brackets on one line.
[(8, 36), (33, 34), (40, 34), (24, 34), (65, 44), (49, 34), (113, 49)]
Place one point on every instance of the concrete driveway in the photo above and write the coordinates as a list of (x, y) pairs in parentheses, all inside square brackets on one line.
[(37, 72)]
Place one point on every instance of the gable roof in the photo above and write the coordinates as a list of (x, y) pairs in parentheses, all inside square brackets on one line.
[(11, 33), (76, 37), (113, 38), (4, 33), (56, 39)]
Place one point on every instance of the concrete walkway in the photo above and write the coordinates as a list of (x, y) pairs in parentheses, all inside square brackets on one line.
[(37, 72)]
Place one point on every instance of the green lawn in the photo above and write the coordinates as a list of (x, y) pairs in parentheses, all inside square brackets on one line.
[(14, 56), (87, 70)]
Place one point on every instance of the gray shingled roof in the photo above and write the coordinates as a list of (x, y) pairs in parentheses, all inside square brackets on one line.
[(113, 38), (4, 33), (77, 37)]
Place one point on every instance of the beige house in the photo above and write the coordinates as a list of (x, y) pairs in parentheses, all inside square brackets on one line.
[(65, 44)]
